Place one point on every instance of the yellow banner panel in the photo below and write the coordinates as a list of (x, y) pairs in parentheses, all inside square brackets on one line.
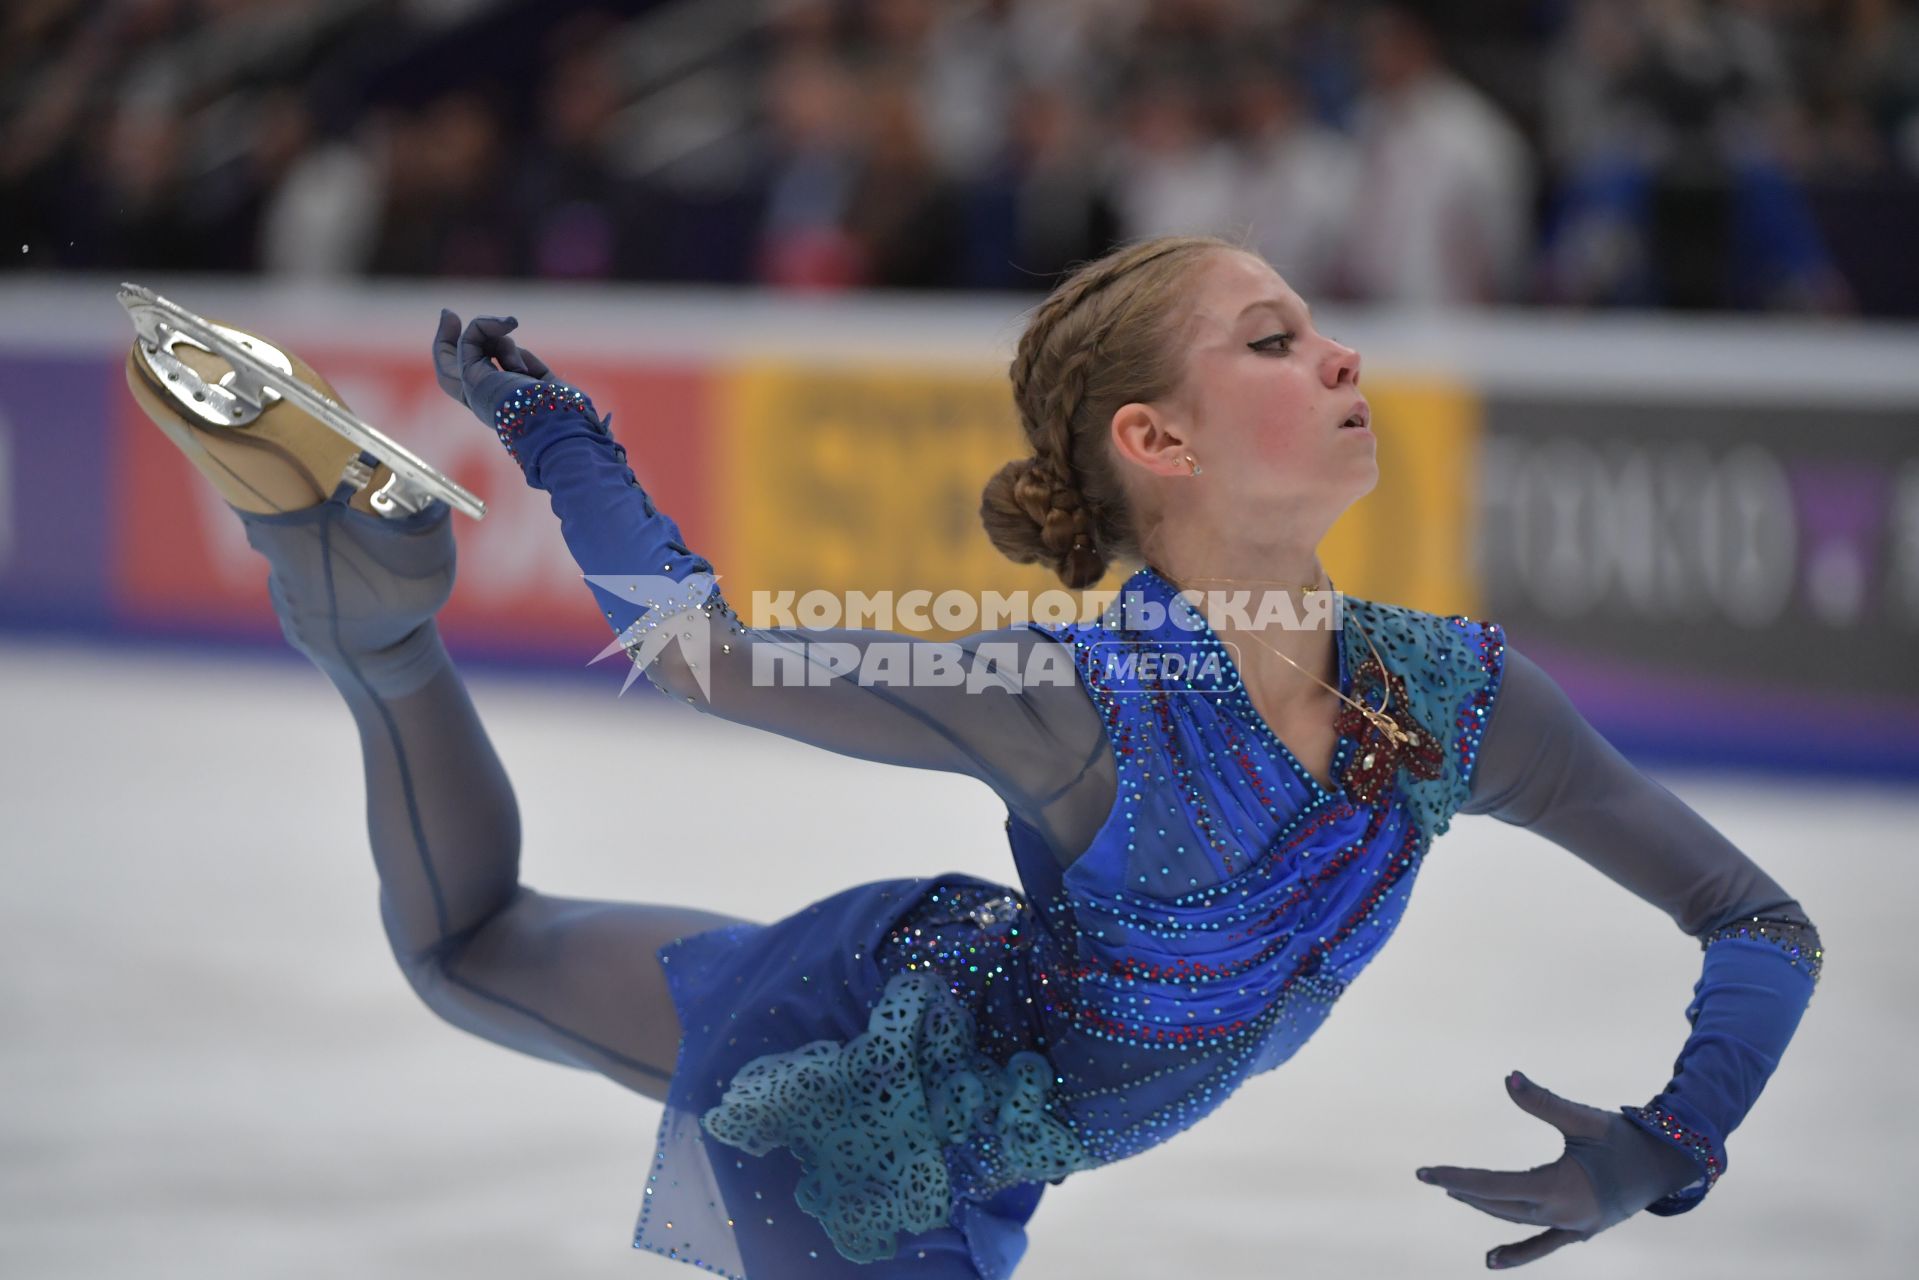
[(857, 478), (1411, 540)]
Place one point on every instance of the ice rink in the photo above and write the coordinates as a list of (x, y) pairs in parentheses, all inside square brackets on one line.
[(213, 1069)]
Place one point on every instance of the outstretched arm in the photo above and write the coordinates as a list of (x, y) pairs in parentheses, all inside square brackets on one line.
[(570, 980), (1544, 768), (1003, 706)]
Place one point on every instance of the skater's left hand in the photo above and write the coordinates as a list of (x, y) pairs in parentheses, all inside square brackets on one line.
[(483, 368), (484, 365), (1610, 1170)]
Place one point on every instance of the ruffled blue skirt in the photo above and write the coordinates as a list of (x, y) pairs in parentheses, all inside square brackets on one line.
[(856, 1092)]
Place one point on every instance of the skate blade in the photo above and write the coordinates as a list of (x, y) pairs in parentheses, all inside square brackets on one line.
[(260, 376)]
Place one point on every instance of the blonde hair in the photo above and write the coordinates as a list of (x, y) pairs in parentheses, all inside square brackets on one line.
[(1105, 337)]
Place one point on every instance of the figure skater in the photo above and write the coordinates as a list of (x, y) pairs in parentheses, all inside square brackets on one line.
[(884, 1082)]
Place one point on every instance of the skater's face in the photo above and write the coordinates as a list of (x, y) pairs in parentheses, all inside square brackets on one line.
[(1264, 401)]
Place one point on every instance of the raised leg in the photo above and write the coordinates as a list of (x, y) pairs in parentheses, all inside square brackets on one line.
[(568, 980)]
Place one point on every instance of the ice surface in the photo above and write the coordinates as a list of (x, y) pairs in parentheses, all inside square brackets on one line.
[(211, 1067)]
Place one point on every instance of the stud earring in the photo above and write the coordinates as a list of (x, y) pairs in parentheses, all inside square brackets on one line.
[(1194, 465)]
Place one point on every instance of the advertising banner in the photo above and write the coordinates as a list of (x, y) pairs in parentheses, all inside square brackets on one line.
[(869, 478), (180, 561), (1725, 580), (1714, 574), (55, 522)]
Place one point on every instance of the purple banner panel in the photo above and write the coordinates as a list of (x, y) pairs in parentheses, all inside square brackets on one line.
[(1696, 719), (55, 519), (1717, 583)]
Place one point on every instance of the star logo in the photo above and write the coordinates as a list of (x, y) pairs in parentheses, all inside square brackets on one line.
[(672, 615)]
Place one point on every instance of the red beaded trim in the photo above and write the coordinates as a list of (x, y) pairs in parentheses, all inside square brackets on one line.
[(1471, 721), (1699, 1146), (528, 400)]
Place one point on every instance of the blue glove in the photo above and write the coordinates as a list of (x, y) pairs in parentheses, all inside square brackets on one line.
[(1759, 974), (1608, 1171), (623, 546), (512, 390)]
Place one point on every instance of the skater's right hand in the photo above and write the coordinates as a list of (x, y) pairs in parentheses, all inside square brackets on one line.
[(1610, 1169)]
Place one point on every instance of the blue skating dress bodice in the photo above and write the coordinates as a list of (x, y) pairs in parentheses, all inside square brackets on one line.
[(889, 1077)]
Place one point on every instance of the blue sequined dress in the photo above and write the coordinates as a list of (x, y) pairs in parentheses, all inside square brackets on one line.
[(921, 1057), (884, 1082)]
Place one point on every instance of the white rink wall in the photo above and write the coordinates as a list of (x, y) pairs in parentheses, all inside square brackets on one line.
[(1573, 352)]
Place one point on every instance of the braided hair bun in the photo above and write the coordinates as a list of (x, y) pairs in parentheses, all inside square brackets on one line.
[(1103, 338), (1033, 514)]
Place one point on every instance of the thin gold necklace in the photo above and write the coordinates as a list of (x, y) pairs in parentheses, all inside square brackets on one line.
[(1384, 723)]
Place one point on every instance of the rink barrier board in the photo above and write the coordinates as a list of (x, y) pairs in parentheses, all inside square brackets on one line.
[(842, 474)]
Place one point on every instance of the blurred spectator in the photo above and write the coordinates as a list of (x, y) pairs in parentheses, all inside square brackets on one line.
[(268, 135), (1296, 180), (960, 60), (904, 219), (1863, 72), (1441, 210), (444, 214), (1602, 139), (1679, 139), (1173, 173), (1045, 206), (570, 204), (132, 183), (1689, 153), (1707, 79), (1187, 40), (324, 217), (805, 243)]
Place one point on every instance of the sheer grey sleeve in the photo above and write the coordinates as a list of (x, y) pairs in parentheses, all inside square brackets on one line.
[(1003, 706), (1544, 768)]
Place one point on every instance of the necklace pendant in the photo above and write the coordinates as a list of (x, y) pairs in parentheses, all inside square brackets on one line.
[(1408, 748), (1388, 729)]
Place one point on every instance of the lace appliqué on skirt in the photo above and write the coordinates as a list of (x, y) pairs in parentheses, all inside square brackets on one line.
[(869, 1120)]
